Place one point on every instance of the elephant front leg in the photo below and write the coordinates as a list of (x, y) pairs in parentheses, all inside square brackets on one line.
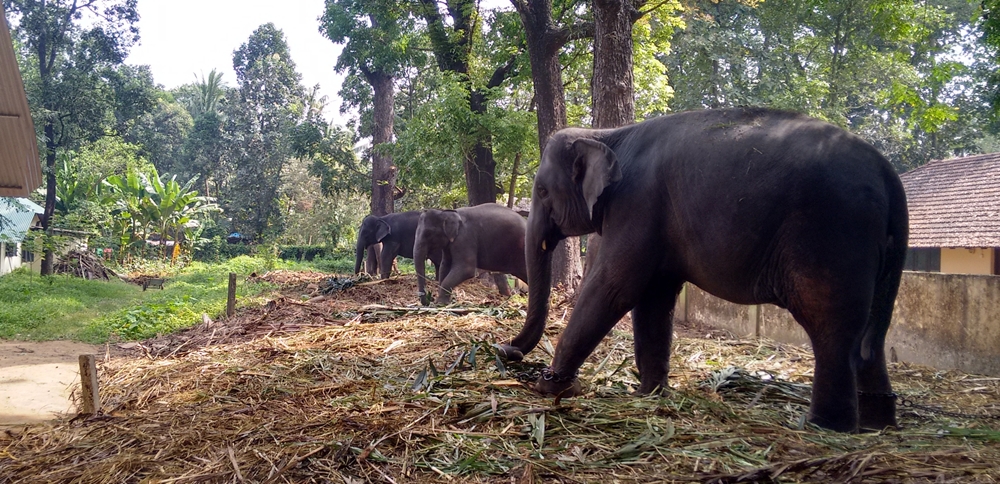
[(652, 332), (602, 302), (457, 274)]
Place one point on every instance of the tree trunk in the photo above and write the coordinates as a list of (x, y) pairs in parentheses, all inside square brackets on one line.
[(480, 170), (546, 75), (612, 87), (383, 171), (50, 198), (613, 91)]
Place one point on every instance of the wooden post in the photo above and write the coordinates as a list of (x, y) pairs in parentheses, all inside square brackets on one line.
[(88, 385), (755, 320), (231, 303)]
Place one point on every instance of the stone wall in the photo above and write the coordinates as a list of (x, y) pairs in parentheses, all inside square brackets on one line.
[(948, 321)]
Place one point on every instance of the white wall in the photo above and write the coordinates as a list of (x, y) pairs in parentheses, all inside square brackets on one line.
[(8, 264)]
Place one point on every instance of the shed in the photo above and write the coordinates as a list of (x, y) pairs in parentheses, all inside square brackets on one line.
[(17, 217), (954, 209), (20, 166)]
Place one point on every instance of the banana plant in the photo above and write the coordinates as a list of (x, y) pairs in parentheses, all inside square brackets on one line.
[(145, 202)]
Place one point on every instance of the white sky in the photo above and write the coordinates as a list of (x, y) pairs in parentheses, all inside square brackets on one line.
[(184, 38)]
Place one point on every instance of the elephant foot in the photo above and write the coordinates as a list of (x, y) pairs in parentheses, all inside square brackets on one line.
[(510, 353), (876, 411), (552, 384)]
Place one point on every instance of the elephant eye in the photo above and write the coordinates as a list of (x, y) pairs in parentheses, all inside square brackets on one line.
[(542, 192)]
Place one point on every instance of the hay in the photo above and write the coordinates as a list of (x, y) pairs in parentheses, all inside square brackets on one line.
[(341, 390)]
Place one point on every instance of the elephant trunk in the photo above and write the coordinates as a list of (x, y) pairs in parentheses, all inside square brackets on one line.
[(359, 255), (420, 264), (538, 254)]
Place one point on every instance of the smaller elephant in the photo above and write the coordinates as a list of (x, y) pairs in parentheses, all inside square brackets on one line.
[(396, 232), (488, 237)]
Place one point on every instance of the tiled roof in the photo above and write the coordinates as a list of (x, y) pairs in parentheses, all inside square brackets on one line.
[(15, 218), (955, 203)]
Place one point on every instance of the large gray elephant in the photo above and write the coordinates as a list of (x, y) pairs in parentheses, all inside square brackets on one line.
[(488, 237), (754, 206), (396, 232)]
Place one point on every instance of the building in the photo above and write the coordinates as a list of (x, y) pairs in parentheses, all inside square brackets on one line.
[(955, 215), (20, 166), (17, 217)]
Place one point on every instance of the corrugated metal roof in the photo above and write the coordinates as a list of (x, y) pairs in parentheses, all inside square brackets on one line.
[(20, 166), (955, 203), (17, 215)]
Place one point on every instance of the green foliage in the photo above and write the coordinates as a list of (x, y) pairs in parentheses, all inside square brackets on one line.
[(259, 125), (376, 34), (301, 252), (433, 145), (144, 203), (901, 74)]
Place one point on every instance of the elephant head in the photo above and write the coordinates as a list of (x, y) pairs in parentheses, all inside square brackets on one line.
[(574, 172), (373, 230), (436, 229)]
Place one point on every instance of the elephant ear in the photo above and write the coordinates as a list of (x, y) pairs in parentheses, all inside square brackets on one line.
[(383, 230), (595, 168), (452, 224)]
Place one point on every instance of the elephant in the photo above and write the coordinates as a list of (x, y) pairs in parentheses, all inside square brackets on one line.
[(488, 237), (752, 205), (396, 233)]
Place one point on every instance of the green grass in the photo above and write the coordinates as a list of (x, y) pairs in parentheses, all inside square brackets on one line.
[(61, 307), (57, 307), (343, 263)]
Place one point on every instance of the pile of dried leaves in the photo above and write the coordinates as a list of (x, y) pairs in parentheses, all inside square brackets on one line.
[(358, 386)]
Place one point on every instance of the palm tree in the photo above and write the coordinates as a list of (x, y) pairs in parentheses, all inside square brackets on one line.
[(210, 94)]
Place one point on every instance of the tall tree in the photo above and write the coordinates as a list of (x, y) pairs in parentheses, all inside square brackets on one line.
[(544, 41), (70, 57), (260, 124), (205, 144), (376, 36), (453, 34)]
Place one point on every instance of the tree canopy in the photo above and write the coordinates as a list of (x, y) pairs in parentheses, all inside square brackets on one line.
[(451, 102)]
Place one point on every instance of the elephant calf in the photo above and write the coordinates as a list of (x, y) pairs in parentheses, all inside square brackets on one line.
[(488, 237), (396, 232)]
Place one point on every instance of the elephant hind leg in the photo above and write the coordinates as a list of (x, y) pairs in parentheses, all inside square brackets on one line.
[(834, 316), (652, 329), (876, 401)]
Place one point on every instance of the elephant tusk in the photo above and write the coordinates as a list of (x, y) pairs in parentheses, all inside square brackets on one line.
[(543, 246)]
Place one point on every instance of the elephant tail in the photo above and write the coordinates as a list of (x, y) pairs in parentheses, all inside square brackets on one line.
[(890, 273)]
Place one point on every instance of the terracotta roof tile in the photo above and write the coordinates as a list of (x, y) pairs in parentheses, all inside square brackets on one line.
[(955, 202)]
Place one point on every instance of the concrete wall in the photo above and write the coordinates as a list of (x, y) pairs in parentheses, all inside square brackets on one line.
[(948, 321), (966, 261)]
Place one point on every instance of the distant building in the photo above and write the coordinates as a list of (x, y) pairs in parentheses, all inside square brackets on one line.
[(955, 215), (17, 217)]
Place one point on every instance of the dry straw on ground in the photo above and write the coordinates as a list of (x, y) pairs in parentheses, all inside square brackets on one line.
[(352, 386)]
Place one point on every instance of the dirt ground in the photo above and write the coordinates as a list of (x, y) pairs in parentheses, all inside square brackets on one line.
[(36, 379)]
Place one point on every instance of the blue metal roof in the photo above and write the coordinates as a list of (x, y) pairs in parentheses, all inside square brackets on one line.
[(16, 215)]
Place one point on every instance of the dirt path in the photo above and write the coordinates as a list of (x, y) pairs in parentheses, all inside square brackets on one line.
[(36, 379)]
